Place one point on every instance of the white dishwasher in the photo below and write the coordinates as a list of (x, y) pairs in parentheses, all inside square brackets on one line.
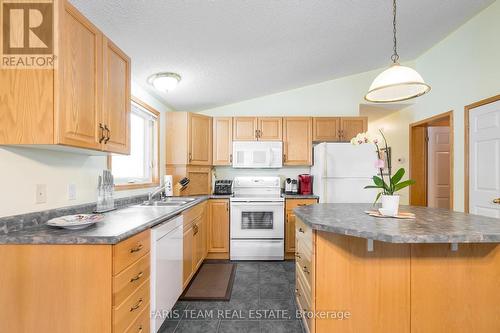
[(166, 269)]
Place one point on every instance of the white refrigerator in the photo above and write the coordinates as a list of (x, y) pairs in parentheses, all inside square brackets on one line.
[(342, 170)]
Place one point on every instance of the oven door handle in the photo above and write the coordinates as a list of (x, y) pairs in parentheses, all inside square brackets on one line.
[(260, 203)]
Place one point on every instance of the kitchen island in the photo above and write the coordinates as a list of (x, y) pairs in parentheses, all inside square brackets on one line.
[(357, 273)]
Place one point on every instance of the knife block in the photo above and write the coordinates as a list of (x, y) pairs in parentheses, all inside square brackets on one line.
[(178, 189)]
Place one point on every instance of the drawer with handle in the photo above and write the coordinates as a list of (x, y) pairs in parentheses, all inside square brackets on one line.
[(294, 203), (127, 281), (126, 313), (303, 232), (142, 323), (130, 250), (305, 267), (304, 300)]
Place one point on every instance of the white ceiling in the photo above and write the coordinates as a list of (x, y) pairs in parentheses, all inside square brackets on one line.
[(232, 50)]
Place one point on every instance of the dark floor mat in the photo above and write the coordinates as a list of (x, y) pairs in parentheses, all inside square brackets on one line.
[(213, 282)]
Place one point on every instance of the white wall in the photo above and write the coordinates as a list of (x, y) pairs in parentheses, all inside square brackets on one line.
[(463, 68), (21, 169), (336, 97)]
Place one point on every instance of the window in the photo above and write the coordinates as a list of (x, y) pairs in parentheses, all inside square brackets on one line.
[(140, 168)]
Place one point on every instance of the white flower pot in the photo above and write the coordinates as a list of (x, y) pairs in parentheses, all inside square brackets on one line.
[(390, 205)]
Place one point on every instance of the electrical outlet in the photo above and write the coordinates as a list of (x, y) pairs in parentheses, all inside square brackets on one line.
[(41, 193), (72, 192)]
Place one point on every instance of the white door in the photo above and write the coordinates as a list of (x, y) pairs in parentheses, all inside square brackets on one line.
[(484, 160), (439, 167)]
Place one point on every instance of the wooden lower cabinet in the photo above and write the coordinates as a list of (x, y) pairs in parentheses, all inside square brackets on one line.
[(290, 204), (75, 288), (395, 287), (194, 241), (218, 229)]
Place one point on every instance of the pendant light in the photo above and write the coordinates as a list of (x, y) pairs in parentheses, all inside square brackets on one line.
[(397, 83)]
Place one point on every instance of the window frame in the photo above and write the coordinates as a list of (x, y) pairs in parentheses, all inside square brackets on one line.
[(156, 169)]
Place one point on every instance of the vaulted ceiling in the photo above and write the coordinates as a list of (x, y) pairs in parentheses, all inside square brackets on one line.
[(232, 50)]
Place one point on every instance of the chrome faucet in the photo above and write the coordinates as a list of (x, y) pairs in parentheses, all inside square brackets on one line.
[(154, 192)]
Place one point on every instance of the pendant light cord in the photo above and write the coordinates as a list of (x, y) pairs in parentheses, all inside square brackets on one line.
[(395, 55)]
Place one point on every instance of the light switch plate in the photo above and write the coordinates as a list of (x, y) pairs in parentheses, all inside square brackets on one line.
[(72, 192), (41, 193)]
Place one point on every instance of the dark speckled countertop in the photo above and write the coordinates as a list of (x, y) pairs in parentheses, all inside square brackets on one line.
[(431, 225), (116, 226)]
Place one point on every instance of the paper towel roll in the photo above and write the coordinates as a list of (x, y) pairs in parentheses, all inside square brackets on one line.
[(169, 188)]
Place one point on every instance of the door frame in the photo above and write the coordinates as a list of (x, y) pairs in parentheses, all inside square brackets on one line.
[(433, 121), (467, 110)]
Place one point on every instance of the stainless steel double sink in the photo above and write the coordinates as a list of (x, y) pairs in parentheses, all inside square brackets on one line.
[(168, 202)]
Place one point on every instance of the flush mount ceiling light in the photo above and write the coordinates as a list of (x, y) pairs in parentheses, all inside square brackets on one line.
[(164, 82), (397, 83)]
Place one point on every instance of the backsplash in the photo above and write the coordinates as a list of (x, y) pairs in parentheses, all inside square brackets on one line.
[(22, 221), (283, 173)]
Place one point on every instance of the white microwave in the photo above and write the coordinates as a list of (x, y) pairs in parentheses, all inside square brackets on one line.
[(257, 154)]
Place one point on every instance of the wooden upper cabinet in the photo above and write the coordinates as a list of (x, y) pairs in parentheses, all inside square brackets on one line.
[(116, 112), (245, 128), (326, 129), (351, 126), (253, 129), (222, 140), (200, 139), (80, 81), (297, 141), (71, 105), (270, 129)]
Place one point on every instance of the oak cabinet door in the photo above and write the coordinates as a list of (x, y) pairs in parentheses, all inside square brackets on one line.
[(351, 126), (222, 141), (245, 128), (200, 180), (290, 233), (187, 253), (117, 99), (218, 226), (326, 129), (270, 129), (200, 139), (297, 140), (80, 81)]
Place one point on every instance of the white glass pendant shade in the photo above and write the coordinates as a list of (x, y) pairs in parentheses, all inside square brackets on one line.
[(395, 84)]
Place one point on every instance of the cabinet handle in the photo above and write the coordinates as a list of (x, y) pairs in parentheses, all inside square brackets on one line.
[(227, 207), (496, 201), (136, 249), (195, 229), (284, 157), (256, 134), (108, 136), (140, 329), (137, 277), (297, 292), (297, 255), (301, 230), (230, 158), (302, 204), (190, 157), (136, 305), (101, 137), (306, 270)]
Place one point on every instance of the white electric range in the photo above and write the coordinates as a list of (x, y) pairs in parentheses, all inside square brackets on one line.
[(257, 219)]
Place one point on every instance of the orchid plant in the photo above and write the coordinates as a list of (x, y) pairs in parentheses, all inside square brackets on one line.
[(394, 182)]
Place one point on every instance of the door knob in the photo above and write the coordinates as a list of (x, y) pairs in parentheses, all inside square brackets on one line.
[(496, 201)]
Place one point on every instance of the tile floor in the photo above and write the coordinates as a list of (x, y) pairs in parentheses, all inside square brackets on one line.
[(262, 301)]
